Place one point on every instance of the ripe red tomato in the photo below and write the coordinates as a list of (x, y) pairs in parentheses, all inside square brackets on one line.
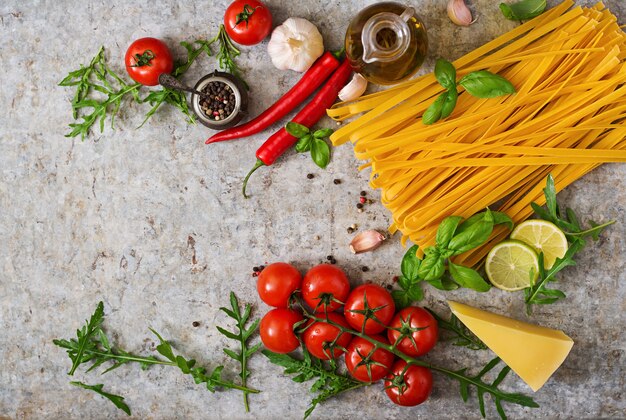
[(410, 389), (276, 330), (379, 304), (277, 282), (146, 59), (413, 318), (247, 22), (379, 361), (320, 335), (325, 287)]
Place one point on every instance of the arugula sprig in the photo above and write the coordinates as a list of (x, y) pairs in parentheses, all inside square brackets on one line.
[(482, 84), (92, 346), (115, 399), (454, 237), (242, 335), (227, 53), (568, 222), (311, 141), (523, 9), (463, 337), (328, 381)]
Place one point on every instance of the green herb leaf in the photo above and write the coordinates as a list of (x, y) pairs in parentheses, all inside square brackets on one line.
[(227, 53), (400, 298), (410, 263), (115, 399), (523, 10), (472, 235), (432, 267), (328, 383), (296, 130), (443, 283), (433, 112), (463, 337), (323, 133), (449, 103), (445, 73), (484, 84), (320, 152), (304, 144), (468, 277), (242, 335), (446, 230), (415, 292), (86, 335)]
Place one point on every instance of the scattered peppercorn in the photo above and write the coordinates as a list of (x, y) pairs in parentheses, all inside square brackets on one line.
[(256, 269), (261, 268), (363, 193), (336, 181), (329, 257), (333, 261), (365, 269), (360, 210), (359, 205), (395, 279), (362, 200), (195, 324), (389, 287), (310, 176), (350, 230)]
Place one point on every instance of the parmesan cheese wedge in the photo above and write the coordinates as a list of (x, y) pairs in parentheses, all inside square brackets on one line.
[(531, 351)]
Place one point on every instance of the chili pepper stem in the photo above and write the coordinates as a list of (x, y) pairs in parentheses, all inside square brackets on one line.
[(256, 166)]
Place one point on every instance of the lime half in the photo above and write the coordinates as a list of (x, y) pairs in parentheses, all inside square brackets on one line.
[(512, 265), (544, 237)]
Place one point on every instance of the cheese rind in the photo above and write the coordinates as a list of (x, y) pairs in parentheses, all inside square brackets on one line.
[(531, 351)]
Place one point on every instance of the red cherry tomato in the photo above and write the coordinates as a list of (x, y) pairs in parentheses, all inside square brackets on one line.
[(410, 387), (277, 282), (360, 356), (379, 303), (247, 22), (325, 287), (146, 59), (320, 335), (423, 339), (276, 330)]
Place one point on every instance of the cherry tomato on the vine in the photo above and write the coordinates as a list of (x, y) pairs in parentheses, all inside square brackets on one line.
[(371, 300), (325, 288), (367, 365), (146, 59), (419, 328), (247, 22), (276, 330), (277, 282), (320, 336), (408, 387)]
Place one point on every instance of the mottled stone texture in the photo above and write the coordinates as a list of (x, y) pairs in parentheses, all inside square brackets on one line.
[(152, 222)]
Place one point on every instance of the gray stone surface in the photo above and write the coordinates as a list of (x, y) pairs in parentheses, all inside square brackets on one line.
[(152, 222)]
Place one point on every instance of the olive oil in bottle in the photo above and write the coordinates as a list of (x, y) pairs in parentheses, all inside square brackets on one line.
[(386, 43)]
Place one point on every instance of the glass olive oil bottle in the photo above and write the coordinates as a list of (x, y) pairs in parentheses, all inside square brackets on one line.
[(386, 42)]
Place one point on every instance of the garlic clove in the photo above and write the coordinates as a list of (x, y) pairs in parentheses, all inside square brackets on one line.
[(366, 241), (354, 89), (459, 13)]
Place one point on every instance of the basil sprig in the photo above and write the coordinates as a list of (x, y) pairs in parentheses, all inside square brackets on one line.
[(454, 237), (482, 84), (311, 141), (523, 9)]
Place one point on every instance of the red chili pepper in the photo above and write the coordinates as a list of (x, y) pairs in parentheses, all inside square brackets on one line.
[(280, 141), (311, 80)]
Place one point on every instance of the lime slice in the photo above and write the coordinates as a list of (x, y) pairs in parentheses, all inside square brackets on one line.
[(509, 265), (544, 237)]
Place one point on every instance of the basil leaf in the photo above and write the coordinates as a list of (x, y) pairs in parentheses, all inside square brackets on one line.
[(523, 10), (432, 267), (404, 282), (443, 283), (433, 112), (296, 130), (400, 298), (484, 84), (474, 235), (445, 74), (446, 230), (449, 103), (415, 292), (320, 152), (468, 277), (304, 144), (500, 218), (323, 133), (410, 264)]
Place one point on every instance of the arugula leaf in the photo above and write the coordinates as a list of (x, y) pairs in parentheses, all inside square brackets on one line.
[(523, 10), (445, 73), (85, 336), (115, 399), (484, 84), (463, 336), (227, 54), (242, 336), (328, 382)]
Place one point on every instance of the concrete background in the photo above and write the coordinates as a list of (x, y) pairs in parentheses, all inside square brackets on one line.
[(152, 222)]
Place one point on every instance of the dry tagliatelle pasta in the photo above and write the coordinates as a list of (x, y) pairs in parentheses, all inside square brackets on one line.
[(566, 118)]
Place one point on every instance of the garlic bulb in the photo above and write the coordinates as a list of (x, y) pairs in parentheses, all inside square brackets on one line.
[(365, 241), (354, 89), (295, 45), (459, 13)]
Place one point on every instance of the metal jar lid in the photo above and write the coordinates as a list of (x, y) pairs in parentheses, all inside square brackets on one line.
[(241, 100)]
